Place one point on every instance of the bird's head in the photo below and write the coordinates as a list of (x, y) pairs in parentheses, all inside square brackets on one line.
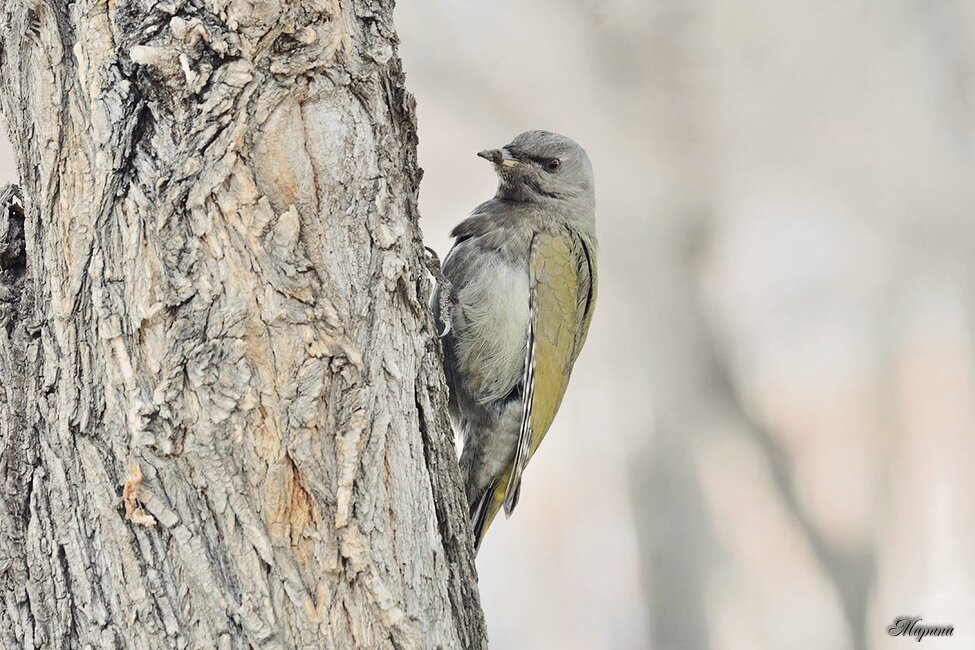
[(539, 166)]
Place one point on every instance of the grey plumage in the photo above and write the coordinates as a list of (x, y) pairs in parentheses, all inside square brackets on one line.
[(546, 189)]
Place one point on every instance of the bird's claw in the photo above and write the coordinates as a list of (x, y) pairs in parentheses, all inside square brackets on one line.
[(433, 265)]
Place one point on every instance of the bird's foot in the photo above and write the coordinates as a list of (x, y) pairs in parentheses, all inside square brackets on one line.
[(433, 266)]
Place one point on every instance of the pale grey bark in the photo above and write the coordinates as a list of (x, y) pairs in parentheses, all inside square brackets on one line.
[(222, 413)]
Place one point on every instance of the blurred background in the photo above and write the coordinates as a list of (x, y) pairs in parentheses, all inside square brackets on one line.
[(769, 440)]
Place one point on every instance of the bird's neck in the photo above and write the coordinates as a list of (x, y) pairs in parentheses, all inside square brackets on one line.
[(527, 193)]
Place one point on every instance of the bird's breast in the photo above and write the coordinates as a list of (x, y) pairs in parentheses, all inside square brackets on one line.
[(492, 328)]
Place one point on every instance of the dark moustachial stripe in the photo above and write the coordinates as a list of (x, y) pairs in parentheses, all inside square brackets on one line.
[(538, 189)]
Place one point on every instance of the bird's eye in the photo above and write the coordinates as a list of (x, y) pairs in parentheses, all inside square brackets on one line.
[(552, 165)]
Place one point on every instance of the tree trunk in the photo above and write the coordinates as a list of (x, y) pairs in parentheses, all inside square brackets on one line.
[(222, 410)]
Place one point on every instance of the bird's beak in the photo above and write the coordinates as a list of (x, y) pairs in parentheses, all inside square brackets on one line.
[(494, 155), (498, 157)]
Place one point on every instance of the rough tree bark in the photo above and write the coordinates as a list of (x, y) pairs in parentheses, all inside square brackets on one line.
[(222, 414)]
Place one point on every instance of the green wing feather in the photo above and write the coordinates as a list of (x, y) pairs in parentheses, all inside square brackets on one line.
[(563, 293)]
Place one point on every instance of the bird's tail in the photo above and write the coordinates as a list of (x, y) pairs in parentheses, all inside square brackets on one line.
[(483, 509)]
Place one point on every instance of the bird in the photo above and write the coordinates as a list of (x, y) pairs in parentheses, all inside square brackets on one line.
[(518, 290)]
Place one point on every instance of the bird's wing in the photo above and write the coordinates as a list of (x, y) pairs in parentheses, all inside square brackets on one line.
[(563, 293)]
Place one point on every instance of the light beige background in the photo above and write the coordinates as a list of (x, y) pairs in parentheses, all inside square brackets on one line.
[(769, 441)]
